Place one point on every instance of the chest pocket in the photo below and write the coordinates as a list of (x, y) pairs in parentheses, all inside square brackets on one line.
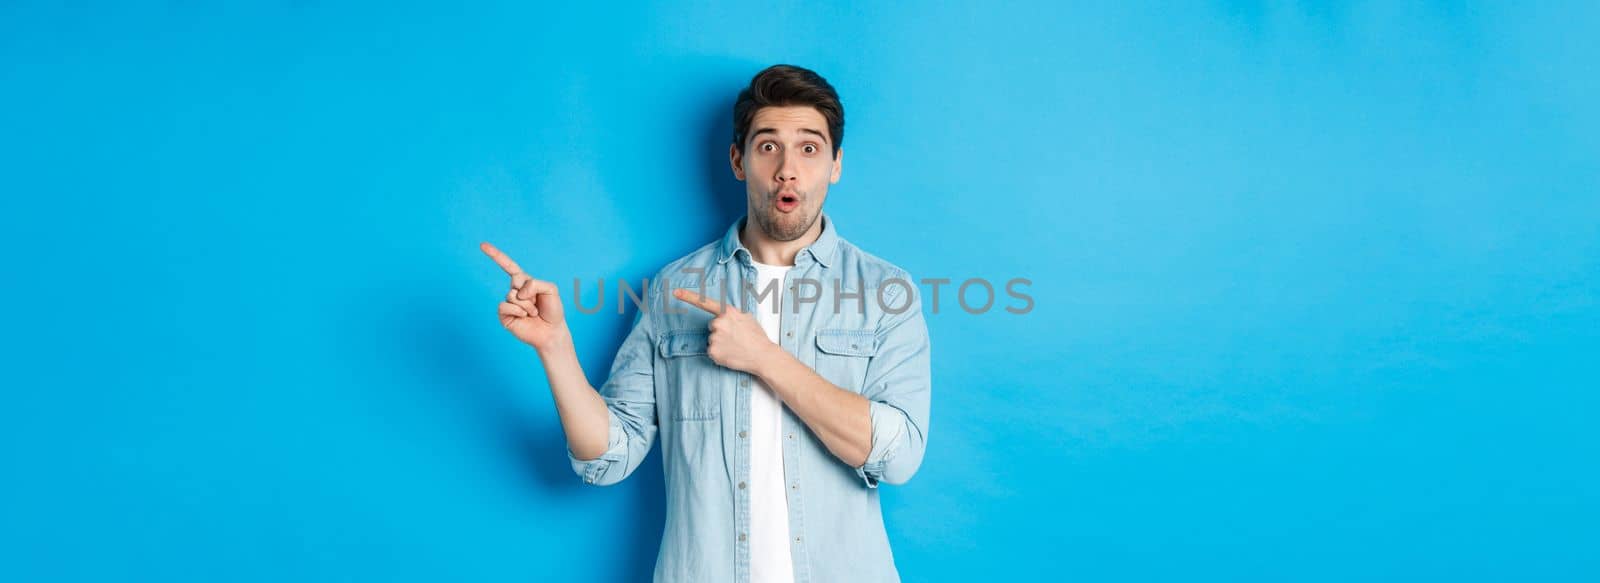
[(843, 354), (692, 374)]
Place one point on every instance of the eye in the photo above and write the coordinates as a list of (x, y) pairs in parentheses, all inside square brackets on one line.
[(769, 147), (811, 148)]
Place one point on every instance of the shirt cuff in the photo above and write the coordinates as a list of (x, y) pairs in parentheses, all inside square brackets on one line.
[(616, 450), (888, 431)]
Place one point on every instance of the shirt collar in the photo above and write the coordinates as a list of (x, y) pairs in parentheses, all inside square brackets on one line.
[(822, 250)]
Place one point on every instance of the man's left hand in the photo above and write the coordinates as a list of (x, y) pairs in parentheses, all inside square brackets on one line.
[(737, 340)]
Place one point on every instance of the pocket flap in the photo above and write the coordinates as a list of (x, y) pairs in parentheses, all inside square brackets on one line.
[(848, 342), (684, 343)]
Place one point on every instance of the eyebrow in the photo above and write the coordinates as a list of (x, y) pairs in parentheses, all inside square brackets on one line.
[(774, 131)]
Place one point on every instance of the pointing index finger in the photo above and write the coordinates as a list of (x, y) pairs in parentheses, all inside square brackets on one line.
[(500, 258), (711, 306)]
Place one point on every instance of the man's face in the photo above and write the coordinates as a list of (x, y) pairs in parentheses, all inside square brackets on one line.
[(786, 165)]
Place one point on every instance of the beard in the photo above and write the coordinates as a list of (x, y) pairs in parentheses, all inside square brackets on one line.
[(781, 226)]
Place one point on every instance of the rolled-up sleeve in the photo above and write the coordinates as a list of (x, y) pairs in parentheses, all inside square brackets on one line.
[(629, 393), (898, 388)]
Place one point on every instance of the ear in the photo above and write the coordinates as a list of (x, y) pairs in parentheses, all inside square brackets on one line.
[(838, 164), (736, 160)]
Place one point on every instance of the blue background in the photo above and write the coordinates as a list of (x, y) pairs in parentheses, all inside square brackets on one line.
[(1316, 286)]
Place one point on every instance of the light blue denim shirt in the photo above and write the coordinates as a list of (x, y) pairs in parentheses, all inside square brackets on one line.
[(862, 330)]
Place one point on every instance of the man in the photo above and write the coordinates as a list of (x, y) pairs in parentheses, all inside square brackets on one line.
[(779, 411)]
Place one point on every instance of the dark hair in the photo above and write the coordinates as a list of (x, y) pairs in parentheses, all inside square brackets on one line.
[(786, 85)]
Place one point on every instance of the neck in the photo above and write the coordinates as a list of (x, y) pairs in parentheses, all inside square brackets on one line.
[(764, 249)]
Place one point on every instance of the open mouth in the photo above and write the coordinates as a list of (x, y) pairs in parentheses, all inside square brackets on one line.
[(788, 202)]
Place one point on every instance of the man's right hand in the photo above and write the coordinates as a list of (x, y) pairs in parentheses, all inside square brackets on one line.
[(532, 309)]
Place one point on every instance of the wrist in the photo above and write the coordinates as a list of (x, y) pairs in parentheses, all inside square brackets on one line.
[(770, 362), (560, 342)]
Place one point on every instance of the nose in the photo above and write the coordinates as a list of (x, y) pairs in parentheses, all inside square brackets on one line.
[(786, 169)]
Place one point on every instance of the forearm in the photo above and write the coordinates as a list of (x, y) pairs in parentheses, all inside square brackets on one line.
[(840, 418), (583, 412)]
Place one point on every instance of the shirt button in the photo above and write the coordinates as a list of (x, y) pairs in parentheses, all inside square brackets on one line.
[(741, 537), (797, 540), (744, 382), (790, 334), (791, 436), (794, 487), (741, 485), (741, 434)]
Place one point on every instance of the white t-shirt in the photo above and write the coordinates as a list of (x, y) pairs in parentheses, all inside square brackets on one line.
[(770, 561)]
